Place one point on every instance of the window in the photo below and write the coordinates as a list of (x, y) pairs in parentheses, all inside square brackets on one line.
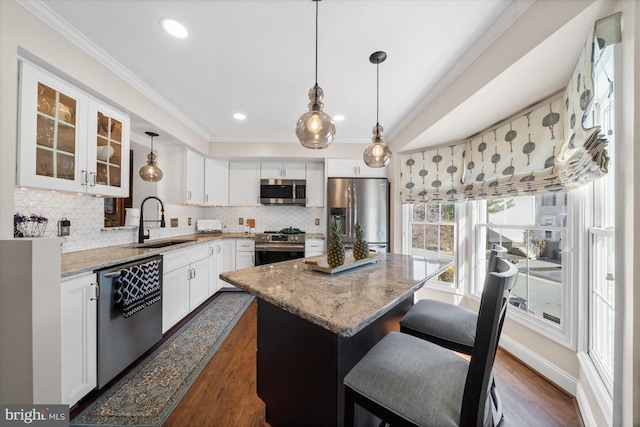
[(602, 289), (533, 229), (433, 234)]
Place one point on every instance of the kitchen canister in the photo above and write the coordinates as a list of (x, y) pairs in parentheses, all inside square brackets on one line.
[(132, 216)]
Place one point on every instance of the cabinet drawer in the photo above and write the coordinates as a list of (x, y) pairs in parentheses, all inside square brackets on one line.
[(245, 245), (314, 245), (199, 252), (175, 259)]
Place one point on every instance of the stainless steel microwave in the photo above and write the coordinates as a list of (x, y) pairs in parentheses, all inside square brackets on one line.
[(283, 192)]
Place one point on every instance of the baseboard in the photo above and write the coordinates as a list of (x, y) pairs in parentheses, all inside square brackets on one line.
[(551, 372), (593, 384), (585, 410)]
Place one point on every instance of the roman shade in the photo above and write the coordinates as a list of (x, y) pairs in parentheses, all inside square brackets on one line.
[(548, 147)]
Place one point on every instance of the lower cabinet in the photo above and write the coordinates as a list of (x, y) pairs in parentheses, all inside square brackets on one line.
[(79, 337), (313, 247), (222, 257), (175, 296), (185, 283), (245, 253)]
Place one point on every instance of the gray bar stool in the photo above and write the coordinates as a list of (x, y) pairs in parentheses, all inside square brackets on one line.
[(452, 326), (408, 381)]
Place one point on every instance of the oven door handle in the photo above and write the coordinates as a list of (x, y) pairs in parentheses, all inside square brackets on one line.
[(280, 248)]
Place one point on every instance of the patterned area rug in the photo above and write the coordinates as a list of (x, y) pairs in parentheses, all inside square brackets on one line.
[(147, 395)]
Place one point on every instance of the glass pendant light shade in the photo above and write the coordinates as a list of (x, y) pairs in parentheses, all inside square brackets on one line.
[(378, 154), (315, 128), (151, 172)]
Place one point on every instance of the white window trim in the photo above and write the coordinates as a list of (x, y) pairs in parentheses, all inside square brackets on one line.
[(564, 334), (459, 257)]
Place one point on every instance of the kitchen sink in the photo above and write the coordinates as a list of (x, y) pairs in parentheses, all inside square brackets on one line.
[(160, 244)]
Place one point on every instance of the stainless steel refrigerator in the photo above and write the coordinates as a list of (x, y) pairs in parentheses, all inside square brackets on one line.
[(360, 199)]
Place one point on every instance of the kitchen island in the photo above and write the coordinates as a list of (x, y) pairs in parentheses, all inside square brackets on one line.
[(314, 327)]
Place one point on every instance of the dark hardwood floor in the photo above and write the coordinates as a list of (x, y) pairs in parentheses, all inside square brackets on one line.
[(224, 393)]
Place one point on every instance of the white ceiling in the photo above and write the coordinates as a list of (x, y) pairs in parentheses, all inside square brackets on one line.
[(257, 58)]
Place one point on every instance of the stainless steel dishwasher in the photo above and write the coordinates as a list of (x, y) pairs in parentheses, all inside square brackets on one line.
[(122, 340)]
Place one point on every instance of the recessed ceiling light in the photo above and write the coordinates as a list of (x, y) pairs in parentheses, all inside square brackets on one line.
[(239, 116), (338, 118), (174, 28)]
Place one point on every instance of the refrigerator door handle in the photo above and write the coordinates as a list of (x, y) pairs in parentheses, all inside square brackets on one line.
[(354, 209), (347, 230)]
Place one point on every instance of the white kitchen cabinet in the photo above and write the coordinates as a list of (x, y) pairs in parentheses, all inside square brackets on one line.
[(216, 182), (244, 184), (279, 170), (222, 257), (353, 168), (175, 296), (194, 178), (313, 247), (199, 277), (79, 337), (108, 150), (245, 253), (183, 181), (315, 185), (68, 140), (185, 283)]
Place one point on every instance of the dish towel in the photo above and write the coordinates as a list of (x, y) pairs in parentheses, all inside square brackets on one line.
[(129, 290), (152, 292)]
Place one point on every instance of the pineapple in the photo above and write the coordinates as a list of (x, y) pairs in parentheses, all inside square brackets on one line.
[(335, 251), (360, 246)]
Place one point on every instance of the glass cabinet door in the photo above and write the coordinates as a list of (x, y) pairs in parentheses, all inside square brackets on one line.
[(68, 140), (109, 150), (50, 151), (55, 134)]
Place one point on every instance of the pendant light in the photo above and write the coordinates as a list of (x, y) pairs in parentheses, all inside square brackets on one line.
[(378, 154), (151, 172), (315, 128)]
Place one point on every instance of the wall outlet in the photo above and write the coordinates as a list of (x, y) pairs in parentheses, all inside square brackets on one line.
[(317, 221), (240, 221), (174, 222), (64, 227), (189, 221)]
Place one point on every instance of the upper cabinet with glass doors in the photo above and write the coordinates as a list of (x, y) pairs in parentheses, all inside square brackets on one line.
[(69, 141)]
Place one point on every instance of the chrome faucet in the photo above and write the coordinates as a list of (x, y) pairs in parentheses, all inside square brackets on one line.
[(141, 234)]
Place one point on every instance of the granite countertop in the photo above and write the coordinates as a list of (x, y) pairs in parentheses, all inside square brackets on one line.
[(93, 259), (343, 303), (314, 236)]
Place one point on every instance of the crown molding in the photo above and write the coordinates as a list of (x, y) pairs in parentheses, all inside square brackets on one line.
[(52, 19)]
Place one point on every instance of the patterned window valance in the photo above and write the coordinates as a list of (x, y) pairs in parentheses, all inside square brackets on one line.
[(546, 148)]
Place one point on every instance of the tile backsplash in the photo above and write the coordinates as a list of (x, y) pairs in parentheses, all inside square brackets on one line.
[(86, 214)]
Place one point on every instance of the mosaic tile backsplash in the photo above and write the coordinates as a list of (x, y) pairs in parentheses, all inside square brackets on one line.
[(86, 214)]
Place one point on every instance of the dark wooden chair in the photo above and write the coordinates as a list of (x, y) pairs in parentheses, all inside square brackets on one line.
[(408, 381), (452, 327)]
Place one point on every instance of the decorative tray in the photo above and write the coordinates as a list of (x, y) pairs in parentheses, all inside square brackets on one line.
[(319, 263)]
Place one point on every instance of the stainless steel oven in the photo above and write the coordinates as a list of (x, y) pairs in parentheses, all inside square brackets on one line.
[(276, 246)]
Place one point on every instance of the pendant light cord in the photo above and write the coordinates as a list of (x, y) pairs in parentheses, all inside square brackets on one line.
[(377, 92), (316, 1)]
